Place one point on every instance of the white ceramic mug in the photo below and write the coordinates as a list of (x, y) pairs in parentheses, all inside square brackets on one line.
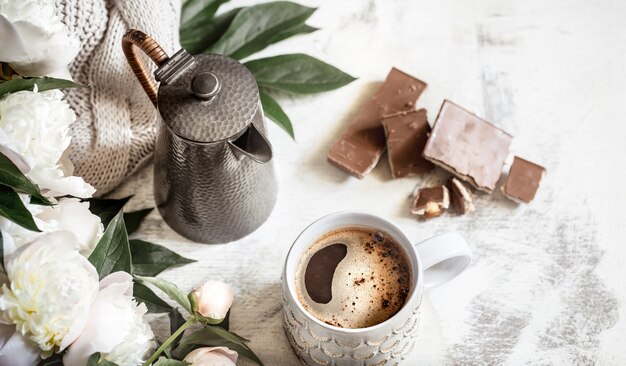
[(433, 262)]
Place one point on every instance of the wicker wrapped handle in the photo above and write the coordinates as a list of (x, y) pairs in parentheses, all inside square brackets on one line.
[(134, 39)]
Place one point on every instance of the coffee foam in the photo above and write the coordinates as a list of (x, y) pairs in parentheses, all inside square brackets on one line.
[(369, 285)]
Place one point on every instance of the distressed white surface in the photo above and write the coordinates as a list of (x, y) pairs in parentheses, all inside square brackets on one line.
[(547, 284)]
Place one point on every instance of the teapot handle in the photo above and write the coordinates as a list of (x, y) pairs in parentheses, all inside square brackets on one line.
[(134, 39)]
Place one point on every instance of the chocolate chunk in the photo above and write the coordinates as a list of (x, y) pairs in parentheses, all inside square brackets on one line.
[(469, 147), (362, 144), (461, 196), (523, 180), (407, 133), (318, 276), (430, 202)]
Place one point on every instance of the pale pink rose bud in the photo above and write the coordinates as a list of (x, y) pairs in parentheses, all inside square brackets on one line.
[(213, 299), (212, 356)]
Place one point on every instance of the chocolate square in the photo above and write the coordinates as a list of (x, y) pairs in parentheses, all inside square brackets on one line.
[(361, 145), (407, 133), (469, 147), (523, 180)]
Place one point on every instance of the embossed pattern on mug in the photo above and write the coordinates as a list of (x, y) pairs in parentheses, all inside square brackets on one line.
[(389, 350)]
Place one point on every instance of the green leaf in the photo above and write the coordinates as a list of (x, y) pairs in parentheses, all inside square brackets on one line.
[(2, 252), (112, 253), (215, 337), (57, 362), (134, 219), (292, 31), (151, 259), (12, 207), (107, 208), (198, 11), (93, 359), (200, 37), (11, 176), (43, 83), (176, 320), (144, 294), (97, 360), (297, 73), (162, 361), (169, 289), (272, 109), (256, 27)]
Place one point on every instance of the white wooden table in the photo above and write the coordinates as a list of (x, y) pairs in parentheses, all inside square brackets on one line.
[(547, 284)]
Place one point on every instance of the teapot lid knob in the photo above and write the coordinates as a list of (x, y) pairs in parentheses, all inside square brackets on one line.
[(205, 85)]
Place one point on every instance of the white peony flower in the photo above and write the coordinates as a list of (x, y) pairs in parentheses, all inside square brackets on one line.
[(115, 326), (34, 40), (212, 356), (50, 291), (34, 133), (69, 214), (213, 299)]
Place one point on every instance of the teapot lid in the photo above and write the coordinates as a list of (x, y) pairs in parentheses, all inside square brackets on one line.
[(206, 97)]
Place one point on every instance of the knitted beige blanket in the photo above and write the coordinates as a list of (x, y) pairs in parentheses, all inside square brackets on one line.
[(115, 130)]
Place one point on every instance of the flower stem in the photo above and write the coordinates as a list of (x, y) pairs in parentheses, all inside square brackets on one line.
[(160, 350)]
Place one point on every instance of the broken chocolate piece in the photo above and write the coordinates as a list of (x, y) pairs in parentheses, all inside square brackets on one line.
[(467, 146), (407, 133), (430, 202), (361, 145), (523, 180), (461, 196)]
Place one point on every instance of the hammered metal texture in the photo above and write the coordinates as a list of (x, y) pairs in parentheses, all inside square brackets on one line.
[(222, 117), (315, 349), (205, 193)]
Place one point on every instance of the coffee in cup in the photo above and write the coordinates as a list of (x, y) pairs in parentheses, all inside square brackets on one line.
[(353, 277)]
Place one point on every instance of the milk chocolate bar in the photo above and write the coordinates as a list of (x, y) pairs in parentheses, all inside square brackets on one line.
[(469, 147), (361, 145), (430, 202), (407, 133), (523, 180), (461, 196)]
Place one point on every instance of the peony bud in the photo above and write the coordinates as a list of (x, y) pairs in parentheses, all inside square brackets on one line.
[(213, 299), (212, 356)]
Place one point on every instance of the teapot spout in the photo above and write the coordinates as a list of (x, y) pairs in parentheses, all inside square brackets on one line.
[(253, 144)]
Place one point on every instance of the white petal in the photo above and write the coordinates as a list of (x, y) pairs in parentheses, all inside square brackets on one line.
[(108, 320), (47, 53), (13, 48), (16, 350), (119, 278), (58, 185), (11, 151), (74, 216), (8, 245)]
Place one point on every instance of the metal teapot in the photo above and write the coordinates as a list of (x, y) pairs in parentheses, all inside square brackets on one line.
[(214, 180)]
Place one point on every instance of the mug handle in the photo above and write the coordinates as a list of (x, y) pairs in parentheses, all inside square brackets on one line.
[(443, 257)]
